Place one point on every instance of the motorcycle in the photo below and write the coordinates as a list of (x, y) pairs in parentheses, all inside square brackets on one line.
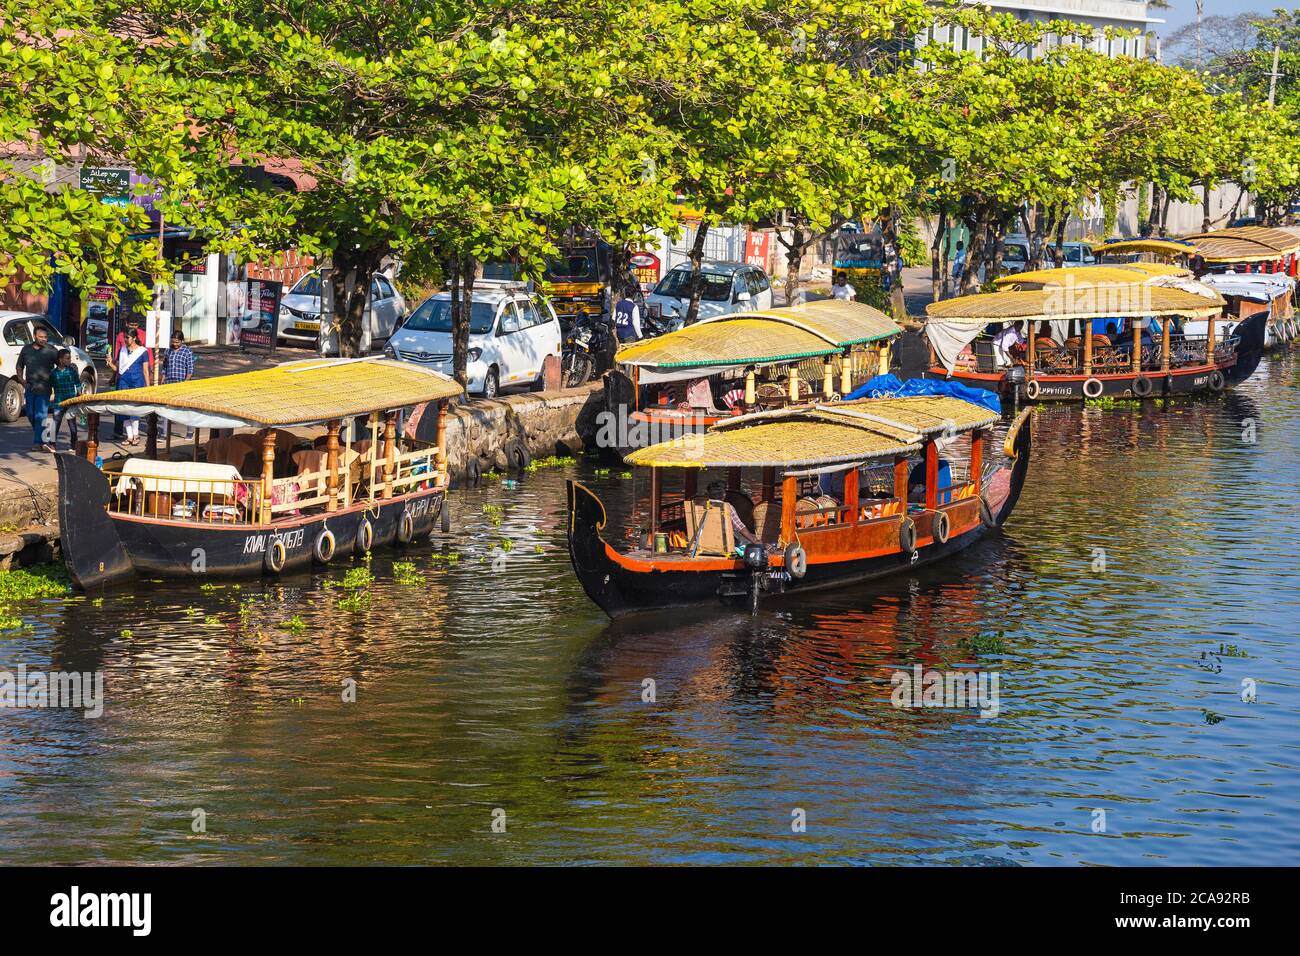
[(588, 350)]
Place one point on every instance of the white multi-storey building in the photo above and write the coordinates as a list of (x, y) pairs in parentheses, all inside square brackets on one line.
[(1119, 15)]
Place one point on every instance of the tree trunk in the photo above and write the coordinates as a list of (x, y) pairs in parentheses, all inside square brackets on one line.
[(460, 336), (1058, 253), (697, 257), (975, 254), (350, 275), (936, 255), (459, 326), (793, 262), (893, 266)]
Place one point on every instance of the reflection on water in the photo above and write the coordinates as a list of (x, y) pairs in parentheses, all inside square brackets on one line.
[(1149, 570)]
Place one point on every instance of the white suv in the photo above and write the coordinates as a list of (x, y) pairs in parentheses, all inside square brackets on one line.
[(16, 330), (511, 334)]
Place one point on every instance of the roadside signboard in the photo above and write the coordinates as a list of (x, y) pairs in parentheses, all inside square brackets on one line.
[(258, 316), (646, 268), (756, 247), (99, 320), (111, 184)]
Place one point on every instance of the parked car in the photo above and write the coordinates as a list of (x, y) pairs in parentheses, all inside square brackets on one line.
[(511, 334), (1015, 254), (16, 330), (299, 321), (728, 287)]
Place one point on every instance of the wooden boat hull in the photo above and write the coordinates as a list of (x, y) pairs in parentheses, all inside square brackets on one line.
[(1178, 383), (101, 548), (620, 584)]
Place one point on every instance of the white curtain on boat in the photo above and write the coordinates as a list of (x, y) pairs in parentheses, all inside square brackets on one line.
[(949, 338)]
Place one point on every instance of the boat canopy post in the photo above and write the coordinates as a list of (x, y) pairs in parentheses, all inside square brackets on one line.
[(1137, 346), (92, 436), (790, 498), (828, 379), (733, 479), (151, 445), (846, 371), (690, 484), (332, 466), (656, 499), (1164, 343), (440, 437), (794, 384), (769, 484), (1209, 342), (1029, 354), (751, 388), (931, 476), (851, 493), (268, 472), (977, 459), (900, 479), (390, 452), (1087, 347), (372, 459)]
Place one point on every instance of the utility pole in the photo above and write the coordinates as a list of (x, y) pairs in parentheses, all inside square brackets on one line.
[(1200, 10), (1272, 77)]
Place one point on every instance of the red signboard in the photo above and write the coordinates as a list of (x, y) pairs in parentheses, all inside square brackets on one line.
[(756, 244), (646, 267)]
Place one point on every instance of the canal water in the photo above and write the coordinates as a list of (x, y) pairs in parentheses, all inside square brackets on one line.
[(1140, 612)]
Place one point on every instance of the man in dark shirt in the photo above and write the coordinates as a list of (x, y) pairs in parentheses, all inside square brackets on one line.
[(35, 364)]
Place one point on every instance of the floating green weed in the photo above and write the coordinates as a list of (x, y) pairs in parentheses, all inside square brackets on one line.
[(551, 461), (295, 624), (493, 513), (406, 573), (1109, 401), (27, 584)]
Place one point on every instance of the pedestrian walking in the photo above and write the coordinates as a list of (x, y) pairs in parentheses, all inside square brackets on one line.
[(36, 363), (959, 260), (131, 330), (840, 288), (627, 318), (67, 384)]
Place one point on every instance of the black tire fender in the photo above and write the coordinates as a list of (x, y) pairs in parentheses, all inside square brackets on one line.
[(473, 471), (986, 514), (1142, 386), (405, 528), (1216, 381), (517, 456), (445, 516), (796, 560), (365, 536), (276, 555), (323, 547), (907, 536), (940, 527)]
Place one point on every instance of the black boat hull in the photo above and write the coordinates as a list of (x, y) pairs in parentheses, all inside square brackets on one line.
[(101, 548)]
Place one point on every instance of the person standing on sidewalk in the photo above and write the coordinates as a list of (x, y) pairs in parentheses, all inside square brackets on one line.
[(133, 372), (131, 330), (67, 384), (36, 363), (178, 366)]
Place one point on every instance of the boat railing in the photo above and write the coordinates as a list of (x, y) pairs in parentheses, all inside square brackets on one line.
[(1118, 359), (840, 515), (404, 471), (195, 500)]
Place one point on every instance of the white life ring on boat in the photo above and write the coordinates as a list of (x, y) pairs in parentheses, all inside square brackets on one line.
[(796, 560), (1032, 389), (405, 528), (276, 555), (1092, 388), (939, 527), (323, 549), (365, 536)]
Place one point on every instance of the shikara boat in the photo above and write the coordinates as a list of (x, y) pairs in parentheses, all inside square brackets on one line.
[(800, 499), (726, 366), (1253, 248), (264, 500), (1075, 337), (1248, 293)]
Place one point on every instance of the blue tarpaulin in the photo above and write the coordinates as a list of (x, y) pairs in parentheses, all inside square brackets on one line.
[(889, 386)]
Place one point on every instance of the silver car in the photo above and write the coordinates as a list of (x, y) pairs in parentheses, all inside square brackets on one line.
[(299, 321)]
